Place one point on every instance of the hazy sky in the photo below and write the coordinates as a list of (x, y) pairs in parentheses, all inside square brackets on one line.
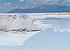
[(7, 5)]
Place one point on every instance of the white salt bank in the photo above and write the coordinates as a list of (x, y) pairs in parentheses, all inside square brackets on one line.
[(16, 28)]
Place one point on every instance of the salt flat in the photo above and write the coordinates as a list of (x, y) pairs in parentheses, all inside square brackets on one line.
[(44, 23)]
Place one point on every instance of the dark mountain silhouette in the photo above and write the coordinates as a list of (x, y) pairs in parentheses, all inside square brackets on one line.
[(43, 9)]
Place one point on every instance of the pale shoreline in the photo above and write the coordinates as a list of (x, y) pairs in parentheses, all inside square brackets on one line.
[(63, 13), (59, 13)]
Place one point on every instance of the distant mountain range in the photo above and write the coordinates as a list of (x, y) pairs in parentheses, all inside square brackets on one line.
[(43, 9)]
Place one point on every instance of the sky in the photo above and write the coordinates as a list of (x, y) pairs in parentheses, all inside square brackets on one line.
[(7, 5)]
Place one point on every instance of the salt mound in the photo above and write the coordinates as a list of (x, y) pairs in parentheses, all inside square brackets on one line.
[(16, 23)]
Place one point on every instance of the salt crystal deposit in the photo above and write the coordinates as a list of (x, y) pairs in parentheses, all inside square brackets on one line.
[(16, 22)]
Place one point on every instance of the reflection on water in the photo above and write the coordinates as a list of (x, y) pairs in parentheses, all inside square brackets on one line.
[(57, 24)]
